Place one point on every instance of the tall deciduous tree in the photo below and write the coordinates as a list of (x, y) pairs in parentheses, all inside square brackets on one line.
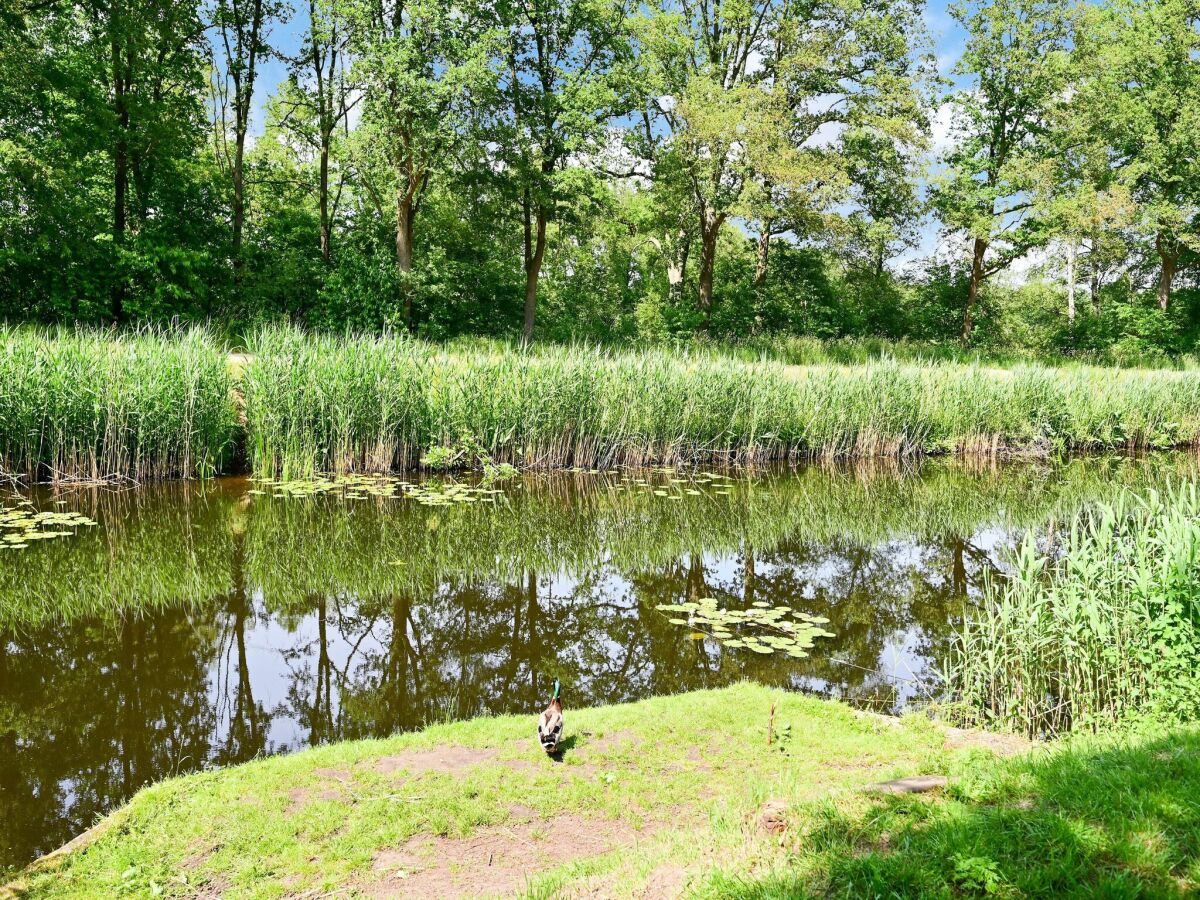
[(745, 100), (565, 76), (242, 28), (1141, 90), (421, 65), (316, 103), (1016, 65)]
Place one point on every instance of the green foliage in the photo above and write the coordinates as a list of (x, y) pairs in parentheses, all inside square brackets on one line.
[(1099, 634), (629, 174)]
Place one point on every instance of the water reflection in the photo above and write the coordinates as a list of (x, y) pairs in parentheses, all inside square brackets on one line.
[(200, 625)]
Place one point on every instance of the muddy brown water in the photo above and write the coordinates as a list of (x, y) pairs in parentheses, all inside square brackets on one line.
[(201, 625)]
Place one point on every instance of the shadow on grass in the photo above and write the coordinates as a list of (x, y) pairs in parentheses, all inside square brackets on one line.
[(564, 746), (1113, 820)]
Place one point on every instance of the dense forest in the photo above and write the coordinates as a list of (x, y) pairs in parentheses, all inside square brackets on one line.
[(607, 170)]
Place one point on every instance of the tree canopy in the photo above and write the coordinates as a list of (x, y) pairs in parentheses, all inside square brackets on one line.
[(600, 169)]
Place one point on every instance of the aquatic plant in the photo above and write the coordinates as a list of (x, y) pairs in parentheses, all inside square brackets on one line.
[(1098, 632), (759, 627), (21, 524), (320, 403), (98, 404)]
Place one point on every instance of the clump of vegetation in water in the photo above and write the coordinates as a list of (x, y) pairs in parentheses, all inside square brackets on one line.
[(360, 487), (468, 453), (325, 403), (99, 404), (760, 628), (21, 524), (1103, 633)]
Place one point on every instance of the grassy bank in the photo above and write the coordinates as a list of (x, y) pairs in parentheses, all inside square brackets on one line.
[(673, 795), (97, 404), (321, 403), (1102, 632)]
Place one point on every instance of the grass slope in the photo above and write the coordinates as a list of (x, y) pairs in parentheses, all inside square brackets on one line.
[(665, 797)]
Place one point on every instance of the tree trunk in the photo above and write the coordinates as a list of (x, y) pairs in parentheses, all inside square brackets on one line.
[(677, 268), (710, 227), (405, 215), (764, 248), (1166, 274), (120, 161), (1072, 249), (980, 247), (323, 188), (239, 202), (535, 253)]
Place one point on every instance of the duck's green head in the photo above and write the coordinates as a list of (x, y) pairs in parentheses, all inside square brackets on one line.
[(557, 689)]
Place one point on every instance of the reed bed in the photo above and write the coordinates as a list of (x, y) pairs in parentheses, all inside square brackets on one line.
[(325, 403), (1103, 632), (101, 404)]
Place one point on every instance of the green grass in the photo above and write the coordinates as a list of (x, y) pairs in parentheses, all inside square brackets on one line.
[(677, 782), (1104, 631), (322, 403), (99, 404)]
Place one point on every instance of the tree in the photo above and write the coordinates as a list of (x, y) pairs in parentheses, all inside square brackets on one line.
[(1141, 90), (242, 28), (100, 123), (565, 75), (420, 66), (321, 68), (1086, 205), (1016, 61), (742, 99), (887, 206)]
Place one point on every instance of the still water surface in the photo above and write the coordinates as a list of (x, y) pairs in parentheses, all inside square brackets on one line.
[(201, 625)]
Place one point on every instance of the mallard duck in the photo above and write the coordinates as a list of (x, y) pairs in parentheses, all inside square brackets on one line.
[(550, 722)]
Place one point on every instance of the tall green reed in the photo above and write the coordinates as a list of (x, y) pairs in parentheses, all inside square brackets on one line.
[(97, 404), (319, 402), (1101, 632)]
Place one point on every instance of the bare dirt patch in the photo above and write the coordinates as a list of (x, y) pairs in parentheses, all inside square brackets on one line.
[(493, 861), (301, 797), (668, 880), (1000, 744), (342, 776), (917, 784), (449, 759), (772, 817)]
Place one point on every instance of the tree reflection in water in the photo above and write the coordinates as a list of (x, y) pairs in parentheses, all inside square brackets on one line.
[(200, 625)]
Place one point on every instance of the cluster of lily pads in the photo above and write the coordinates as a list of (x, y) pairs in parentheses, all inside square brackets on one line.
[(675, 484), (22, 524), (760, 628), (362, 487)]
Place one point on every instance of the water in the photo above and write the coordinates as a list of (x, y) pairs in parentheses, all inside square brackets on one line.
[(203, 625)]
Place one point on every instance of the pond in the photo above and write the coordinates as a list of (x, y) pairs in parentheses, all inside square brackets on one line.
[(198, 625)]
